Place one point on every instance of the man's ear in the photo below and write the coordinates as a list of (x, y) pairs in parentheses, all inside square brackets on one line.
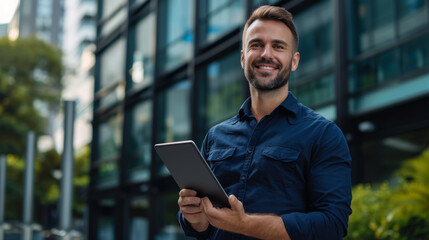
[(295, 61), (242, 59)]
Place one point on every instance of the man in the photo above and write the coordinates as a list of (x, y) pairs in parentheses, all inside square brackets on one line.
[(287, 168)]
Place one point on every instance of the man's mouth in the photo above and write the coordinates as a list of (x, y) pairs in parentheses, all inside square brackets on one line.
[(265, 67)]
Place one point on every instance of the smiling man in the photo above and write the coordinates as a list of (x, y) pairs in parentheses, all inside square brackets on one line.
[(286, 168)]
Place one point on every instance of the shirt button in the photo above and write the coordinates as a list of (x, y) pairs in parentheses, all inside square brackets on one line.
[(243, 178), (249, 151)]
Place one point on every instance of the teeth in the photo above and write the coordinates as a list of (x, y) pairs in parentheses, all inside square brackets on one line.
[(265, 67)]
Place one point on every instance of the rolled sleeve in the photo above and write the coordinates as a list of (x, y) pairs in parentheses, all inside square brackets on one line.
[(329, 191), (189, 231)]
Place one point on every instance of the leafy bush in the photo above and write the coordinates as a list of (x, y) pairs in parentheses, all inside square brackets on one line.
[(397, 210)]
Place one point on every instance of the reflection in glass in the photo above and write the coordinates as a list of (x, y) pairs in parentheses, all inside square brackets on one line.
[(110, 138), (109, 146), (108, 174), (112, 64), (413, 15), (113, 22), (109, 6), (139, 219), (175, 115), (143, 58), (222, 91), (139, 146), (389, 65), (376, 23), (383, 22), (106, 221), (177, 44), (167, 226), (316, 92), (220, 17), (382, 157), (315, 29)]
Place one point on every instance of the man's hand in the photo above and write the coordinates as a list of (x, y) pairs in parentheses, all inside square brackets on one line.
[(229, 219), (191, 208), (262, 226)]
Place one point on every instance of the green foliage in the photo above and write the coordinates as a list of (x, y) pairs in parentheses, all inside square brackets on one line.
[(46, 184), (394, 211), (30, 71)]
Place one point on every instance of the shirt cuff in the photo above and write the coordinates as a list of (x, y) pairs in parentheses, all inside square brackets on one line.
[(189, 231), (293, 226)]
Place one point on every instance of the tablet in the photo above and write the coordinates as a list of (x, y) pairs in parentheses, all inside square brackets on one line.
[(189, 169)]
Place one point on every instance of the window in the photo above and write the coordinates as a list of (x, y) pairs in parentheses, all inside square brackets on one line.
[(139, 142), (222, 90), (371, 81), (106, 220), (109, 147), (219, 17), (139, 219), (177, 33), (313, 82), (381, 157), (174, 115), (375, 23), (142, 70), (317, 92), (112, 63), (110, 6), (413, 15), (166, 224), (314, 27)]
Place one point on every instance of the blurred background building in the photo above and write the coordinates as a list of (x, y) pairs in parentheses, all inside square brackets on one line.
[(43, 19), (168, 70)]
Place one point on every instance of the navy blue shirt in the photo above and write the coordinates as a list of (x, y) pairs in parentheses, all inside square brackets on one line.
[(294, 163)]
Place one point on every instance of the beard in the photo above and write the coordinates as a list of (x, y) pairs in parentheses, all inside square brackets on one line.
[(276, 82)]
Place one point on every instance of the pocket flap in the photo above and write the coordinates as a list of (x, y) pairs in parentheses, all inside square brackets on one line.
[(219, 154), (281, 153)]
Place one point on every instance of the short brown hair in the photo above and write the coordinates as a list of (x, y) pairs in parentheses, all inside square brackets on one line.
[(267, 12)]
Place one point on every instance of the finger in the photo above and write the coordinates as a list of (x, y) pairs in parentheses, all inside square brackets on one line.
[(187, 192), (207, 205), (190, 209), (183, 201), (235, 203)]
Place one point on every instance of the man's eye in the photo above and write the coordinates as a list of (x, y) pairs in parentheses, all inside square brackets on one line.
[(255, 45), (278, 47)]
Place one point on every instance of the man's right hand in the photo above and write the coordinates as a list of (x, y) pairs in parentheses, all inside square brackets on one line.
[(190, 206)]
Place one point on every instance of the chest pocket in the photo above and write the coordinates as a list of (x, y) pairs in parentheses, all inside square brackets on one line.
[(219, 154), (279, 167), (282, 154), (224, 165)]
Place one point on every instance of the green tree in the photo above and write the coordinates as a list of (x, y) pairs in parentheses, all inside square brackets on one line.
[(395, 211), (30, 73), (30, 77)]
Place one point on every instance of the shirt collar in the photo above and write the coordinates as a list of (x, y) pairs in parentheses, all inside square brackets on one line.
[(290, 105)]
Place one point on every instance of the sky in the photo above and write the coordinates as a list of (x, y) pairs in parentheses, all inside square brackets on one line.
[(7, 9)]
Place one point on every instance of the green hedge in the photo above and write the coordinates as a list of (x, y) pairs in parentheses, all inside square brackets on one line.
[(398, 209)]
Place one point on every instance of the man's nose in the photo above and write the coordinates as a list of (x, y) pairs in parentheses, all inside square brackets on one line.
[(267, 52)]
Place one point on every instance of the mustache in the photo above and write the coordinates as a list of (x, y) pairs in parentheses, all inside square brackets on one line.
[(267, 61)]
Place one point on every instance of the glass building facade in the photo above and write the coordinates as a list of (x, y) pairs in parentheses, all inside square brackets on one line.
[(168, 70)]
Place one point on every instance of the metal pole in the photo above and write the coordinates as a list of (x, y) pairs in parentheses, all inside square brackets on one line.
[(2, 192), (28, 186), (67, 168)]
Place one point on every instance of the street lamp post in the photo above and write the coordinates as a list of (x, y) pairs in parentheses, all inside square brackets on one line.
[(2, 192), (28, 186)]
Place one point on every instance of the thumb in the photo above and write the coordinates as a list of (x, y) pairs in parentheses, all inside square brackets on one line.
[(234, 202)]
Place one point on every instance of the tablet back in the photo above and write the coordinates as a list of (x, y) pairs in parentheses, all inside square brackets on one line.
[(189, 169)]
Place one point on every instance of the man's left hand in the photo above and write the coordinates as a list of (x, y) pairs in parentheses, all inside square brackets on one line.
[(230, 219)]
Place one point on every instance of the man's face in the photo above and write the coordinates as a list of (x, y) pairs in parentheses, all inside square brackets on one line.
[(268, 55)]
